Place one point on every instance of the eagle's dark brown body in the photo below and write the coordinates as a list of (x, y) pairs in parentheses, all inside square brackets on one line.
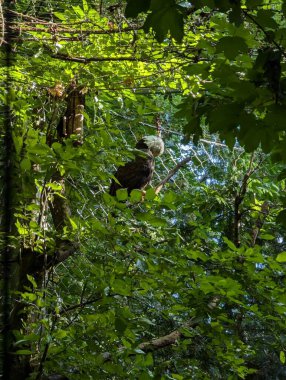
[(138, 173)]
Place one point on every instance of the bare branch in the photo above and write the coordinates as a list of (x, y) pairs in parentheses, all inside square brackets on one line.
[(65, 57), (171, 173), (161, 342), (56, 29), (169, 339), (79, 305)]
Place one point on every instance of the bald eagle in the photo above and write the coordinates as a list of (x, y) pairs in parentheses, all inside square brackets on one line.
[(138, 173)]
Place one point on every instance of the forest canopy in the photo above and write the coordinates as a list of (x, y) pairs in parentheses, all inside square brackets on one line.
[(184, 279)]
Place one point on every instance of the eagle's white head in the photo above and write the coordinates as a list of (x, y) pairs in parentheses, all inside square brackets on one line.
[(155, 144)]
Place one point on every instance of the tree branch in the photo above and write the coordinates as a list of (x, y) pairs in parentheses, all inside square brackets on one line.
[(56, 29), (162, 342), (239, 199), (79, 305), (171, 173), (268, 35), (169, 339), (260, 221), (65, 57)]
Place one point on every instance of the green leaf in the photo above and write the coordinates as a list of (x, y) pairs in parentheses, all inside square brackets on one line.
[(60, 334), (23, 352), (54, 186), (25, 164), (281, 257), (109, 199), (224, 120), (150, 218), (136, 196), (27, 338), (177, 377), (253, 4), (169, 197), (225, 5), (21, 228), (18, 143), (31, 297), (33, 207), (122, 287), (282, 357), (32, 281), (99, 226), (85, 5), (235, 15), (266, 18), (146, 321), (231, 46), (150, 194), (193, 127), (122, 194), (165, 16), (60, 16), (120, 324), (78, 11), (40, 150), (73, 223), (248, 131), (57, 146), (230, 244), (144, 360), (267, 237), (149, 359), (134, 7), (176, 19)]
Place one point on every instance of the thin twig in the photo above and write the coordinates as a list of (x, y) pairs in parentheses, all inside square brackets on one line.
[(79, 305)]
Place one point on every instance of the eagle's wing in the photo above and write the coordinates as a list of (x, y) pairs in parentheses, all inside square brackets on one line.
[(135, 174)]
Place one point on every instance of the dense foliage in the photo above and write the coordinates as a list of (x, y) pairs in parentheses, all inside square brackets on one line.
[(186, 282)]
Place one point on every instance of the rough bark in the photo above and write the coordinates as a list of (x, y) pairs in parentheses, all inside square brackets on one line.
[(239, 197), (264, 211), (27, 261)]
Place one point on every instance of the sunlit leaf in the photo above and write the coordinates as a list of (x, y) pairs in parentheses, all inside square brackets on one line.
[(281, 257)]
